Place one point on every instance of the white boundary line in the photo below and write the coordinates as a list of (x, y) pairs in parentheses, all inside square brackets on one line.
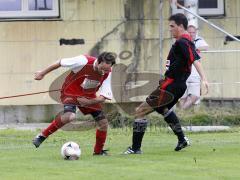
[(221, 51)]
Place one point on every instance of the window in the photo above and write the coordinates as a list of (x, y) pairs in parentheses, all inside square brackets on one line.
[(211, 7), (19, 9), (205, 7)]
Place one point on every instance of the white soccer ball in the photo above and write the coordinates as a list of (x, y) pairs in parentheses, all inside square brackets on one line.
[(70, 151)]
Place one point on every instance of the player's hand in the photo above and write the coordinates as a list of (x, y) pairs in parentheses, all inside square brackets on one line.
[(39, 75), (83, 101), (206, 86)]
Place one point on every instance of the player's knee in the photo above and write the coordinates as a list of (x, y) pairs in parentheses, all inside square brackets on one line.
[(140, 125), (103, 124), (72, 116), (166, 112), (194, 98), (68, 117), (138, 112), (98, 115)]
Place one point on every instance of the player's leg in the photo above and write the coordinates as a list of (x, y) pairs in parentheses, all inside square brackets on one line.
[(183, 99), (190, 101), (182, 102), (156, 100), (101, 132), (174, 123), (193, 95), (57, 123), (139, 128), (170, 117)]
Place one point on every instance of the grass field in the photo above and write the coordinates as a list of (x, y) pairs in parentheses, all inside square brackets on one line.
[(211, 156)]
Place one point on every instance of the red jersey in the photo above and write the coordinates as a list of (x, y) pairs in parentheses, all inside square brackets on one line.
[(84, 80)]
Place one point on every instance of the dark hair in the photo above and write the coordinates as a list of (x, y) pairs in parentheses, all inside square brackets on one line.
[(107, 57), (179, 19)]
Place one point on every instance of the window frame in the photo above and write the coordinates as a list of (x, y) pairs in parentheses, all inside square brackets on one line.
[(25, 13), (207, 12)]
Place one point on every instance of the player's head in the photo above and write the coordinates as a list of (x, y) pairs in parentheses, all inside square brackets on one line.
[(105, 61), (192, 30), (178, 24)]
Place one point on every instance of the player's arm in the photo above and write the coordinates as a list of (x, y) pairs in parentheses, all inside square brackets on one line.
[(74, 63), (105, 92), (200, 71), (40, 74), (86, 102)]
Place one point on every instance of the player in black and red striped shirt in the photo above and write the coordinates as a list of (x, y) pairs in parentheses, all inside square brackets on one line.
[(181, 56)]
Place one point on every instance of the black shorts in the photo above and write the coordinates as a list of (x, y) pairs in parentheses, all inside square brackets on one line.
[(97, 115), (166, 95)]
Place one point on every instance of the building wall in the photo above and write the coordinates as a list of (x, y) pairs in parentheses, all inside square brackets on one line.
[(222, 68), (113, 25)]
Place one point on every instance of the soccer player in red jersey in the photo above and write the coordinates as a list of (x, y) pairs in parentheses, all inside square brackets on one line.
[(88, 75), (180, 59)]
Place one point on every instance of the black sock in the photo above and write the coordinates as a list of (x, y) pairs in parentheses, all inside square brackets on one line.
[(139, 127), (175, 125)]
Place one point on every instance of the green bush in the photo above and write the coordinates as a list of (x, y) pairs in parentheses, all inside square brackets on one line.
[(200, 116)]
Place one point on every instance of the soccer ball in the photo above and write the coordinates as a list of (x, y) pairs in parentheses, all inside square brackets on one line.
[(70, 151)]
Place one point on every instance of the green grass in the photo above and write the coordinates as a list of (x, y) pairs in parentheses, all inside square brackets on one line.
[(211, 156)]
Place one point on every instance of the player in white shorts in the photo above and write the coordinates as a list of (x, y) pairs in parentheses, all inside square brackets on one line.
[(192, 93)]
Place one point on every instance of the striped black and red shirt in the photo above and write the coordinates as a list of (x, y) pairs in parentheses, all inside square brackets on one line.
[(180, 58)]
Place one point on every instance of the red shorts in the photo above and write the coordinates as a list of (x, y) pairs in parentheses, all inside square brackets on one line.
[(72, 100)]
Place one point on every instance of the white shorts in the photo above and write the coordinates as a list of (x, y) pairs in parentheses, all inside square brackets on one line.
[(193, 87)]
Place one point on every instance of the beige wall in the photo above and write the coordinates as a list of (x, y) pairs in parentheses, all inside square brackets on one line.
[(223, 67), (27, 46)]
